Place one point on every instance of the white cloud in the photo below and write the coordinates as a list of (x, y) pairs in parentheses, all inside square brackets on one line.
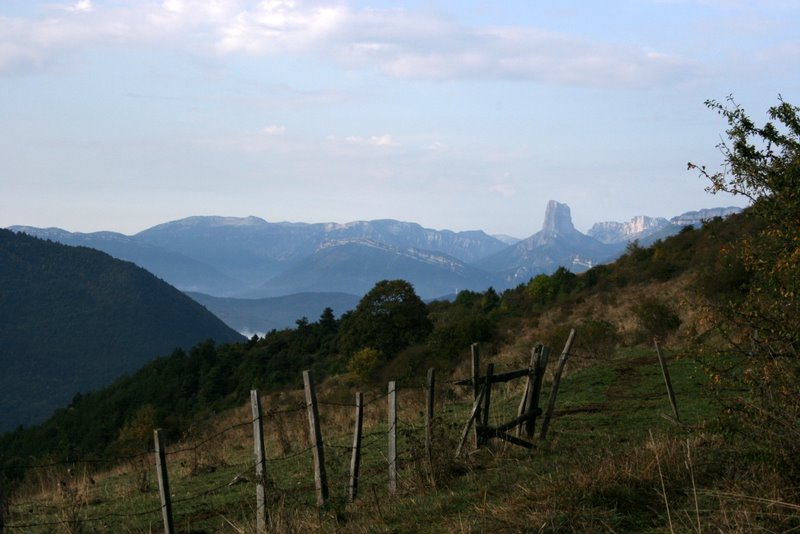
[(381, 140), (504, 188), (274, 129), (81, 6), (374, 140), (279, 26), (400, 43)]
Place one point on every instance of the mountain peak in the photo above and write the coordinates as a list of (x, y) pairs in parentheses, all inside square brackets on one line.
[(558, 219)]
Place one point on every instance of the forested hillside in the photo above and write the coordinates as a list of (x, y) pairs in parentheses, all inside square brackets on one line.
[(73, 319)]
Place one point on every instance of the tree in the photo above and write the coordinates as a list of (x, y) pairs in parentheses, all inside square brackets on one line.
[(389, 318), (763, 164), (761, 327)]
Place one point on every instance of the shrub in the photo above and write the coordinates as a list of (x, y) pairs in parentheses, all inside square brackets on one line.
[(656, 318), (364, 363)]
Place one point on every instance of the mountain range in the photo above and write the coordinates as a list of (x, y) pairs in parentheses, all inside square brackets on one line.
[(250, 258)]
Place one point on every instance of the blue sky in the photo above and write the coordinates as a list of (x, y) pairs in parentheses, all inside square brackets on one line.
[(122, 114)]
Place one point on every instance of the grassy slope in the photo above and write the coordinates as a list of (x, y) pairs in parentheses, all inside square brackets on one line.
[(597, 471)]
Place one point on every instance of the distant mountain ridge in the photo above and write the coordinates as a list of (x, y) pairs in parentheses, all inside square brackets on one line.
[(642, 227), (252, 258), (356, 265), (73, 319)]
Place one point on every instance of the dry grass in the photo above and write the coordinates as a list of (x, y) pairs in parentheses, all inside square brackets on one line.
[(683, 479)]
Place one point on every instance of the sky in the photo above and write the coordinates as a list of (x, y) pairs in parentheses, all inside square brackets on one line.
[(455, 114)]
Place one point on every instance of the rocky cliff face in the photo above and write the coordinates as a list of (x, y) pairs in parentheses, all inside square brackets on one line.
[(642, 228), (557, 220), (617, 232), (558, 243)]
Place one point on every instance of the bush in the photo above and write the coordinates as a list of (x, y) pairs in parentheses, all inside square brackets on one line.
[(365, 363), (656, 318)]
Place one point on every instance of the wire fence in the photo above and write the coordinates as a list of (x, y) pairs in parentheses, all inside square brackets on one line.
[(212, 471)]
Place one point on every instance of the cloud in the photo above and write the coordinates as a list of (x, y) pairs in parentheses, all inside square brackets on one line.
[(400, 43), (504, 188), (374, 140), (81, 6), (274, 129), (277, 26)]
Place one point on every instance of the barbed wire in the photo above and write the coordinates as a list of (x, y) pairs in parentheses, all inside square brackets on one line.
[(209, 439), (372, 472), (208, 491), (339, 404), (87, 461), (300, 408), (294, 454), (109, 515)]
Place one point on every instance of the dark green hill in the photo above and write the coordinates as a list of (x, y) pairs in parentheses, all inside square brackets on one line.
[(73, 319)]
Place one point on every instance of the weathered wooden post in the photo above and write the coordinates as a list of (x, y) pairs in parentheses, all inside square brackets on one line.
[(472, 417), (475, 351), (317, 449), (355, 460), (262, 512), (540, 356), (487, 399), (429, 401), (163, 483), (392, 437), (551, 401), (667, 381), (523, 403)]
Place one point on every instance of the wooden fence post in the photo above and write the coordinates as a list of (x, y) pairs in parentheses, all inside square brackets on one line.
[(355, 460), (540, 358), (163, 483), (429, 401), (320, 479), (262, 512), (476, 373), (392, 437), (523, 403), (487, 399), (551, 401), (667, 381), (472, 417)]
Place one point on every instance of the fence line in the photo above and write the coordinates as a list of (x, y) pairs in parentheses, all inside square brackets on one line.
[(389, 455)]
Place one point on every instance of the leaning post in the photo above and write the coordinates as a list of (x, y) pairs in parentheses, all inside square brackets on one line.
[(429, 401), (532, 401), (317, 448), (355, 460), (667, 381), (163, 483), (475, 352), (392, 437), (551, 401), (262, 512)]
